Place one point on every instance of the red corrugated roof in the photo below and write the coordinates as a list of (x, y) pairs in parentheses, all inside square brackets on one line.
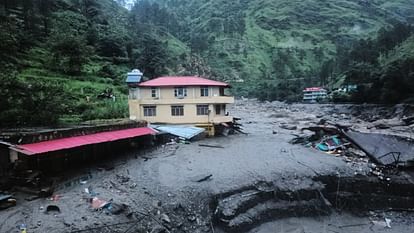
[(73, 142), (314, 89), (181, 81)]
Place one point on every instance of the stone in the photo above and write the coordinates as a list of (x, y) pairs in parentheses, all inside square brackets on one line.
[(165, 218), (158, 229)]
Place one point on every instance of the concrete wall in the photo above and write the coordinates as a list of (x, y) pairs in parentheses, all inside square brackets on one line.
[(165, 99)]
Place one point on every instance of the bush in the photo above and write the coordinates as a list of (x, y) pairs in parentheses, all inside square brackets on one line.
[(107, 109)]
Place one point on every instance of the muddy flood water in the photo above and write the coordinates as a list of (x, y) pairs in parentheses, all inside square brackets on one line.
[(254, 183)]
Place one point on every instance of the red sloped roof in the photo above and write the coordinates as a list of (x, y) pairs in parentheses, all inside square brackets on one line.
[(181, 81), (314, 89), (73, 142)]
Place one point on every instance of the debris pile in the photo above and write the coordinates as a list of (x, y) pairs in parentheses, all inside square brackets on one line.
[(329, 139), (388, 153), (6, 201)]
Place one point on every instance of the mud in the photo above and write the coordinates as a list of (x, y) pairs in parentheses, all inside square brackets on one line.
[(246, 209), (263, 183)]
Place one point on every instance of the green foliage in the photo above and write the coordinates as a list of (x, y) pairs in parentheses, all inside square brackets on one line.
[(271, 41), (111, 46), (147, 16), (153, 58), (56, 57), (340, 97), (386, 77), (70, 54), (29, 103), (106, 109), (9, 38)]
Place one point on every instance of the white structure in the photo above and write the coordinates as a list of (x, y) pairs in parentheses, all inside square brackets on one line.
[(314, 94)]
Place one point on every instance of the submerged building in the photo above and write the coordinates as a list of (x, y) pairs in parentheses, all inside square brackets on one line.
[(178, 100)]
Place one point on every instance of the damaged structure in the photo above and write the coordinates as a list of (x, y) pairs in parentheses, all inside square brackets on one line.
[(54, 150), (186, 100), (234, 184), (384, 149)]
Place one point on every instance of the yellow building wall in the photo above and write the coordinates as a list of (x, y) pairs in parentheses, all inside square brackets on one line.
[(165, 99), (168, 93), (134, 109)]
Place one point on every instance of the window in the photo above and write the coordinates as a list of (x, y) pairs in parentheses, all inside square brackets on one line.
[(218, 109), (177, 110), (221, 91), (150, 111), (180, 92), (202, 109), (204, 91), (154, 92)]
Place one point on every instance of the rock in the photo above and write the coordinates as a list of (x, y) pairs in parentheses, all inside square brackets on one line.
[(355, 152), (66, 224), (117, 208), (178, 207), (382, 126), (122, 178), (165, 218), (408, 120), (158, 229), (288, 127), (156, 203), (321, 122), (179, 225), (191, 218)]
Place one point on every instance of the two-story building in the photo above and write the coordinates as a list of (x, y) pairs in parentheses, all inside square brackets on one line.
[(178, 100)]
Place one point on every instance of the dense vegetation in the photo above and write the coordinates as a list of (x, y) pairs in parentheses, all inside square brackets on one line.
[(383, 68), (61, 59), (272, 49)]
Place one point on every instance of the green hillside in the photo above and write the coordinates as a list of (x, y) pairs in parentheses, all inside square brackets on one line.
[(57, 57), (268, 42), (383, 77)]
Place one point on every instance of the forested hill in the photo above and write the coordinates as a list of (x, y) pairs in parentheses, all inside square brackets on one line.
[(61, 59), (58, 56), (285, 44)]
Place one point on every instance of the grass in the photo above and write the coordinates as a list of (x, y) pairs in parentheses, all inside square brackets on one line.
[(81, 91)]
